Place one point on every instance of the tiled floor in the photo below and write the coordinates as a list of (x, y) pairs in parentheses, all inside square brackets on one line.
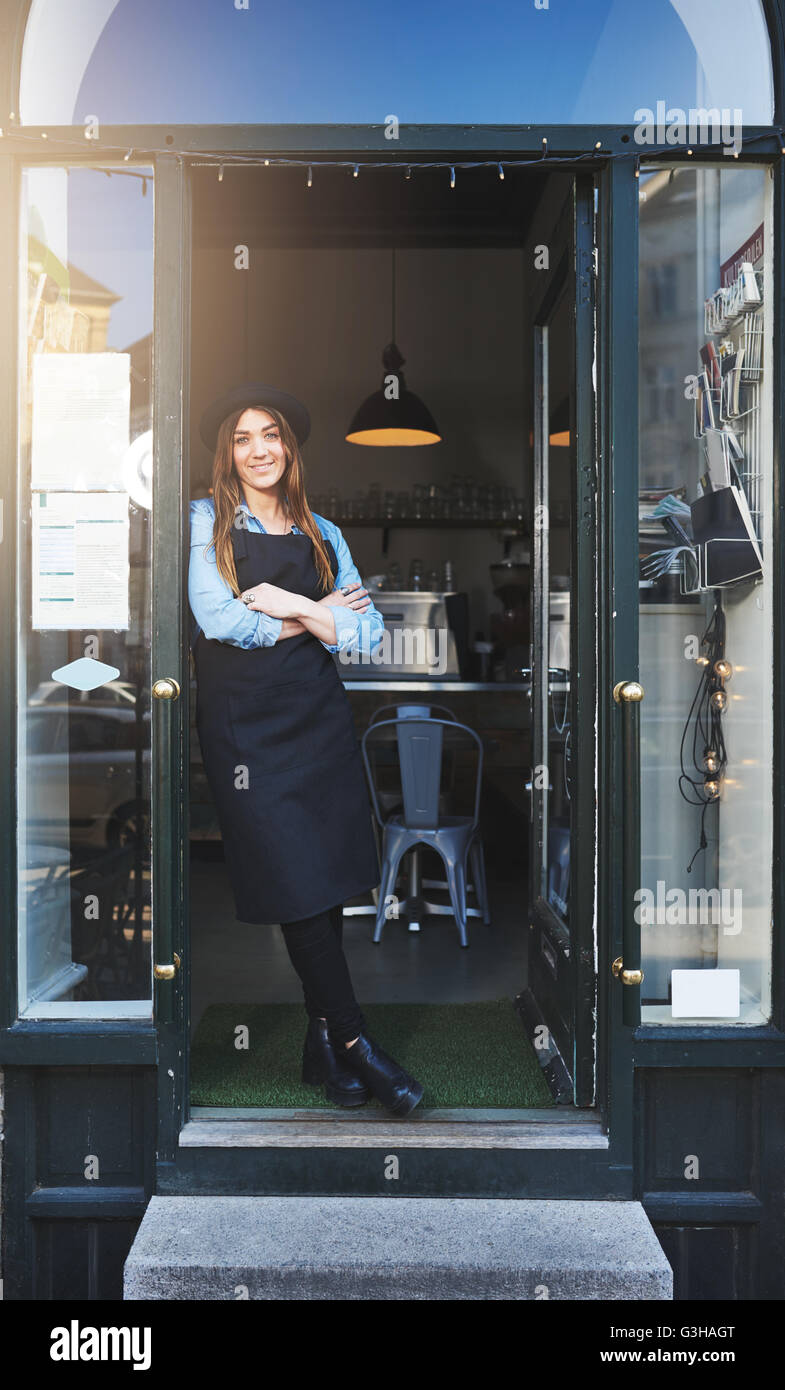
[(234, 961)]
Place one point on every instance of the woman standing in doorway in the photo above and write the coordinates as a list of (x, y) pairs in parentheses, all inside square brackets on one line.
[(278, 594)]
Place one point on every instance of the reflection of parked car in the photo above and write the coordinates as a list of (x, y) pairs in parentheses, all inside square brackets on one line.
[(110, 693), (81, 778)]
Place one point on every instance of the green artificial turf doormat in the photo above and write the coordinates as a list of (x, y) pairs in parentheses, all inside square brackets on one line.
[(465, 1055)]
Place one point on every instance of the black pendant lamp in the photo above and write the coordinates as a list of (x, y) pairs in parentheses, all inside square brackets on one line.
[(393, 415)]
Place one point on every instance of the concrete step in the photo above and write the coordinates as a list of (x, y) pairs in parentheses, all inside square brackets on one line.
[(377, 1248)]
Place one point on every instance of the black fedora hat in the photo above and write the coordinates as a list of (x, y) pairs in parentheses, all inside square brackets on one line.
[(254, 393)]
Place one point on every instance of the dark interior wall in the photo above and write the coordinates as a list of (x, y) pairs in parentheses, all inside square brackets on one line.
[(315, 318), (317, 321)]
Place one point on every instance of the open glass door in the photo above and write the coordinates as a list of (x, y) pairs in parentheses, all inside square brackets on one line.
[(560, 993)]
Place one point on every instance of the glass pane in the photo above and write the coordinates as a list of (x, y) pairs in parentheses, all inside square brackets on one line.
[(705, 514), (85, 410), (556, 590), (296, 61)]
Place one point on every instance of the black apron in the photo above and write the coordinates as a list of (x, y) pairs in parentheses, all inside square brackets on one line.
[(281, 754)]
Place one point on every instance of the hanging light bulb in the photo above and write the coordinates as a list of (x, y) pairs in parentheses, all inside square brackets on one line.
[(712, 789), (711, 762), (702, 660), (393, 416), (719, 700), (723, 669)]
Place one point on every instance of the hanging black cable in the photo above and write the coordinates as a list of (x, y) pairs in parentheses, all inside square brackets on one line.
[(700, 781)]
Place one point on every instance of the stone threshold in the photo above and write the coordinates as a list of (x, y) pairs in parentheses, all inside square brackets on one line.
[(394, 1248)]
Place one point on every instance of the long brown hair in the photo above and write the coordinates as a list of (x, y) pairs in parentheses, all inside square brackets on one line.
[(228, 497)]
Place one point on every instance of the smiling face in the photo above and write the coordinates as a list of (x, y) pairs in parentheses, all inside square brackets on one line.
[(258, 452)]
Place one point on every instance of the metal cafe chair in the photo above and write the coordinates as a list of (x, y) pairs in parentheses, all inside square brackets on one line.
[(391, 800), (420, 747)]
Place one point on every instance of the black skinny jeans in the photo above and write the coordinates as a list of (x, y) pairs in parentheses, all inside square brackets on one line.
[(316, 952)]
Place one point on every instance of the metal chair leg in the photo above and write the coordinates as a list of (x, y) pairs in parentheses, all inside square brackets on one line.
[(456, 882), (390, 865), (414, 883), (481, 883)]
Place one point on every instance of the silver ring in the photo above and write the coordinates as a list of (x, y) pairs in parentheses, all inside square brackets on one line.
[(248, 598)]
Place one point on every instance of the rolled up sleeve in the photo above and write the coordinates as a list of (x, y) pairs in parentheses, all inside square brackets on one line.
[(354, 631), (218, 613)]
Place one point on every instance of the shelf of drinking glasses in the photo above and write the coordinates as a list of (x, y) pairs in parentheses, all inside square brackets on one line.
[(431, 522), (511, 526)]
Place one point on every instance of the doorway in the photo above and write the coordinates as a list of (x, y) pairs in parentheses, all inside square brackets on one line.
[(311, 267)]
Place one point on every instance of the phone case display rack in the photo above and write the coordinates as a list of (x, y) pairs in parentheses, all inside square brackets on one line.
[(737, 323)]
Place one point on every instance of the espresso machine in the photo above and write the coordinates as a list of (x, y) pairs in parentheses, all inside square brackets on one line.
[(426, 634)]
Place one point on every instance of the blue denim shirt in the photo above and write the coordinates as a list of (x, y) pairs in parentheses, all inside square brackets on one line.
[(219, 614)]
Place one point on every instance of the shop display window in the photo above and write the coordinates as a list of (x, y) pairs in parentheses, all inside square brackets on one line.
[(706, 617)]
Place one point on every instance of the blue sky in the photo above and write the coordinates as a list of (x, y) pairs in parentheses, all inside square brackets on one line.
[(110, 237), (445, 61)]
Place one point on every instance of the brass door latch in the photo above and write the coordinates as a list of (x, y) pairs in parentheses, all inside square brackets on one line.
[(627, 977), (628, 691), (167, 688), (167, 972)]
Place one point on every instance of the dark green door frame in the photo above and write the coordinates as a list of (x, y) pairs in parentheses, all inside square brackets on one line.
[(568, 991), (170, 886), (617, 392), (618, 419), (617, 613)]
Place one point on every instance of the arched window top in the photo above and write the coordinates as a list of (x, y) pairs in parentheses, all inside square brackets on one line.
[(560, 62)]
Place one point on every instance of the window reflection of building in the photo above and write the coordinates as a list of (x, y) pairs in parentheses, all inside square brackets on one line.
[(663, 283), (84, 814), (669, 264)]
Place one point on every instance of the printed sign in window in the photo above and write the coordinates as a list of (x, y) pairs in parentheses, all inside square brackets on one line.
[(80, 560)]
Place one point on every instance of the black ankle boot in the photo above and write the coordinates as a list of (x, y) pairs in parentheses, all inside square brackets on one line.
[(393, 1086), (322, 1065)]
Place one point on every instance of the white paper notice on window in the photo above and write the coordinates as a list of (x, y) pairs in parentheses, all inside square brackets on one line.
[(80, 560), (705, 993), (80, 428)]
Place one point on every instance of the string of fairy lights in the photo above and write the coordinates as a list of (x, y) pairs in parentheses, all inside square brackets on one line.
[(408, 167)]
